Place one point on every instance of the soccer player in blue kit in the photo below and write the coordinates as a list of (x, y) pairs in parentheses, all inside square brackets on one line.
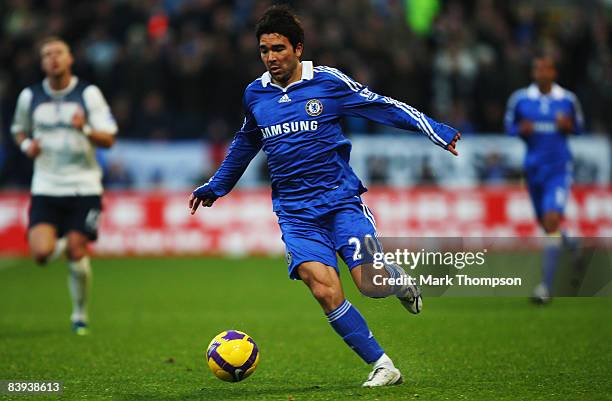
[(293, 113), (543, 115)]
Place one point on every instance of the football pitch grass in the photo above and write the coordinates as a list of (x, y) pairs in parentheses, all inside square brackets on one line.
[(152, 318)]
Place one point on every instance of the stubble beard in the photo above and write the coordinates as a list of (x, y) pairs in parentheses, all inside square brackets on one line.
[(283, 78)]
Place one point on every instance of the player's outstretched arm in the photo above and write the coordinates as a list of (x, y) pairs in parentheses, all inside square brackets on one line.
[(452, 146), (201, 196), (358, 101), (388, 111), (244, 147)]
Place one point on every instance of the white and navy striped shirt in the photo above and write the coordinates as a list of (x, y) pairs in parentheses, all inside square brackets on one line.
[(67, 163)]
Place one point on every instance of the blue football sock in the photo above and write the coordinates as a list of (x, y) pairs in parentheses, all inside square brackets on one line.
[(570, 243), (352, 327), (550, 260)]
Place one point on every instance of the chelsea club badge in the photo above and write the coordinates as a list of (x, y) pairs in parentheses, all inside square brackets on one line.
[(314, 107)]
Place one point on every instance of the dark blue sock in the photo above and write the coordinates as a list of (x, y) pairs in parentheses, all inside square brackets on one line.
[(352, 327), (570, 243), (550, 260)]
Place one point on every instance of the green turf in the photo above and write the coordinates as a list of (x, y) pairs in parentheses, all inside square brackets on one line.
[(153, 318)]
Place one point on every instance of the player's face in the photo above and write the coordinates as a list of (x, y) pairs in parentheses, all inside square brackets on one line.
[(544, 71), (279, 56), (56, 59)]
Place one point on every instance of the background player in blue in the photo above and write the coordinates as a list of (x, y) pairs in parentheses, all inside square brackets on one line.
[(293, 113), (543, 115)]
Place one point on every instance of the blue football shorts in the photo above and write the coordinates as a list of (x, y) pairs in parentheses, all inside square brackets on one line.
[(317, 234), (549, 188)]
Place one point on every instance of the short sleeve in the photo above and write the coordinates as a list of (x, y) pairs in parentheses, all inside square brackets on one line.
[(21, 120), (99, 114)]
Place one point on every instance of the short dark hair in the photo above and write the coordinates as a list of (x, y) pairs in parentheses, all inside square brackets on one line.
[(280, 19), (543, 53)]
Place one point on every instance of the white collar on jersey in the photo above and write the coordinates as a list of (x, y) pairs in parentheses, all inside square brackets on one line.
[(307, 73), (62, 92), (556, 92)]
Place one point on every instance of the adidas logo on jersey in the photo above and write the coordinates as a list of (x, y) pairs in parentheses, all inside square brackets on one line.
[(284, 99)]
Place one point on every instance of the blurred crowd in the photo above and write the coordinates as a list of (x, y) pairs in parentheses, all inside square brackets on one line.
[(177, 68)]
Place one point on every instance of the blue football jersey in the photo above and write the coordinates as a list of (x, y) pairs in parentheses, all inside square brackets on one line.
[(298, 128), (547, 145)]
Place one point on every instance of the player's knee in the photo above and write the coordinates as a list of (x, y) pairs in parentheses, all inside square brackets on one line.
[(323, 283), (41, 256), (76, 250), (327, 295), (77, 253), (41, 248), (551, 227), (321, 291), (551, 223), (77, 247), (41, 251)]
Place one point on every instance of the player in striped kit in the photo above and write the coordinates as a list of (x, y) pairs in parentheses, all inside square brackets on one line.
[(293, 113), (59, 122)]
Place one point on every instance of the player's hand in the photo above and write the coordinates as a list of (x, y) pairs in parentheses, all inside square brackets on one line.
[(34, 149), (201, 195), (525, 128), (195, 202), (565, 123), (452, 146), (78, 119)]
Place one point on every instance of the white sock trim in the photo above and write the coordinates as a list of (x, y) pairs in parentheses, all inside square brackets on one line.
[(339, 312)]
